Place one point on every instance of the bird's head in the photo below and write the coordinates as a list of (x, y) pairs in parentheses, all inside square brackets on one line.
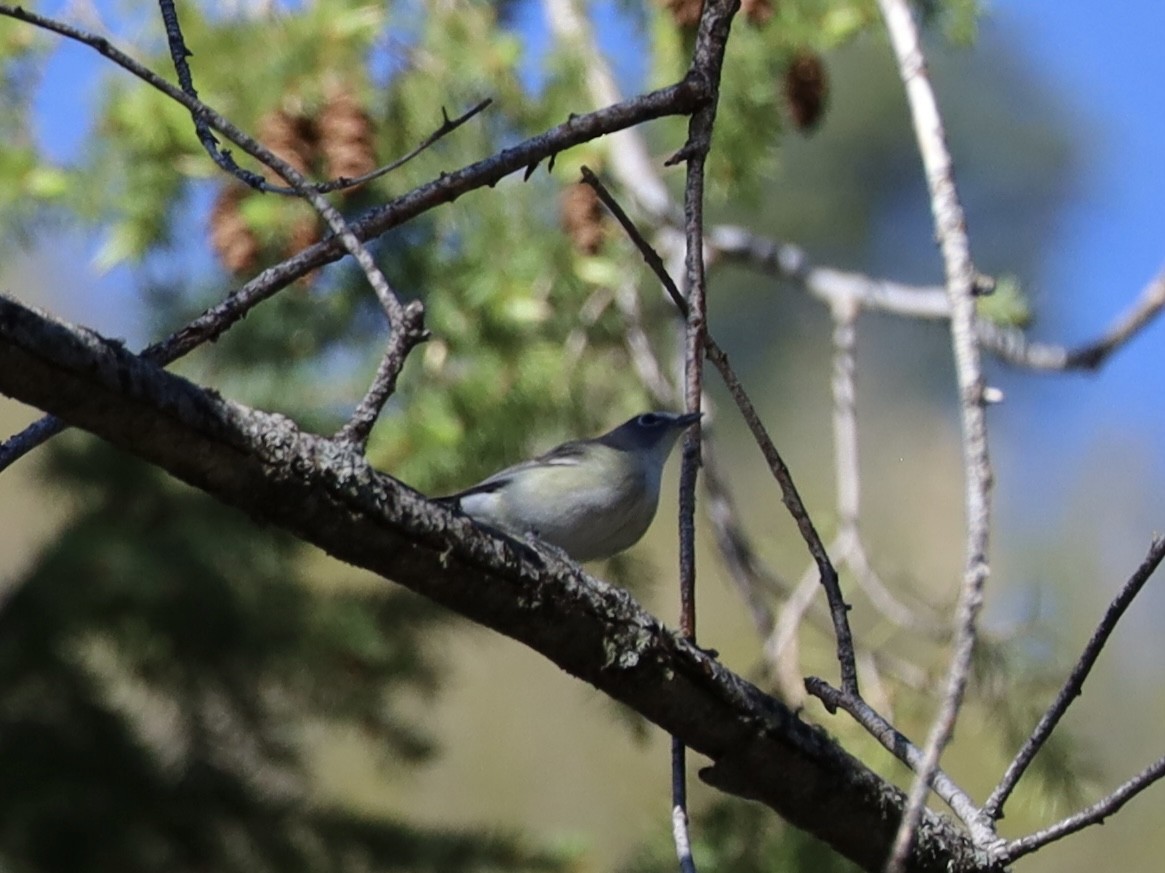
[(650, 433)]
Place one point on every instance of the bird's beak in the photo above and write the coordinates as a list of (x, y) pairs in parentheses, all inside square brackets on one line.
[(688, 419)]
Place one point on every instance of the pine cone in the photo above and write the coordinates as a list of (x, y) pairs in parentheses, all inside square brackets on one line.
[(346, 138), (306, 230), (233, 241), (582, 217), (757, 11), (685, 13), (291, 137), (806, 90)]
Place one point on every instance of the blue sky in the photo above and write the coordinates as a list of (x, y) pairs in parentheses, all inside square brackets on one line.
[(1111, 67), (1110, 239)]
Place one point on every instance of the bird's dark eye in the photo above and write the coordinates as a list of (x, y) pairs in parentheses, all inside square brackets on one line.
[(650, 419)]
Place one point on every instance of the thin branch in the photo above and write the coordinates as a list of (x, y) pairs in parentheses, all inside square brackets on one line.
[(1012, 346), (961, 284), (784, 260), (707, 61), (679, 813), (21, 443), (178, 55), (980, 827), (1095, 814), (689, 469), (848, 548), (845, 427), (359, 427), (1074, 684), (1143, 311), (650, 255), (448, 125), (838, 608), (789, 493)]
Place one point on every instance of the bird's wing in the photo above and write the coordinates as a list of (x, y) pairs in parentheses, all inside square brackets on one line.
[(565, 455)]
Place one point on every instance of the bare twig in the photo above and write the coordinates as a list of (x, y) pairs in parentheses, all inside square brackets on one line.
[(178, 55), (980, 827), (784, 260), (845, 427), (1143, 311), (790, 495), (950, 230), (358, 428), (448, 125), (788, 261), (838, 608), (707, 61), (848, 548), (1095, 814), (1075, 682), (1013, 346), (650, 255), (679, 812), (20, 444)]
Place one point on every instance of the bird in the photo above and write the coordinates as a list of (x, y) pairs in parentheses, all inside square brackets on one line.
[(590, 498)]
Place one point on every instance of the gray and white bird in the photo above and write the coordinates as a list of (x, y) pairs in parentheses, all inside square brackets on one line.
[(590, 498)]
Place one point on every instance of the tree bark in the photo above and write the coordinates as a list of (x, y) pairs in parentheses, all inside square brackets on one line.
[(326, 494)]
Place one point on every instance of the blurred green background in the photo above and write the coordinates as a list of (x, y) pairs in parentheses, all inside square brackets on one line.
[(180, 688)]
